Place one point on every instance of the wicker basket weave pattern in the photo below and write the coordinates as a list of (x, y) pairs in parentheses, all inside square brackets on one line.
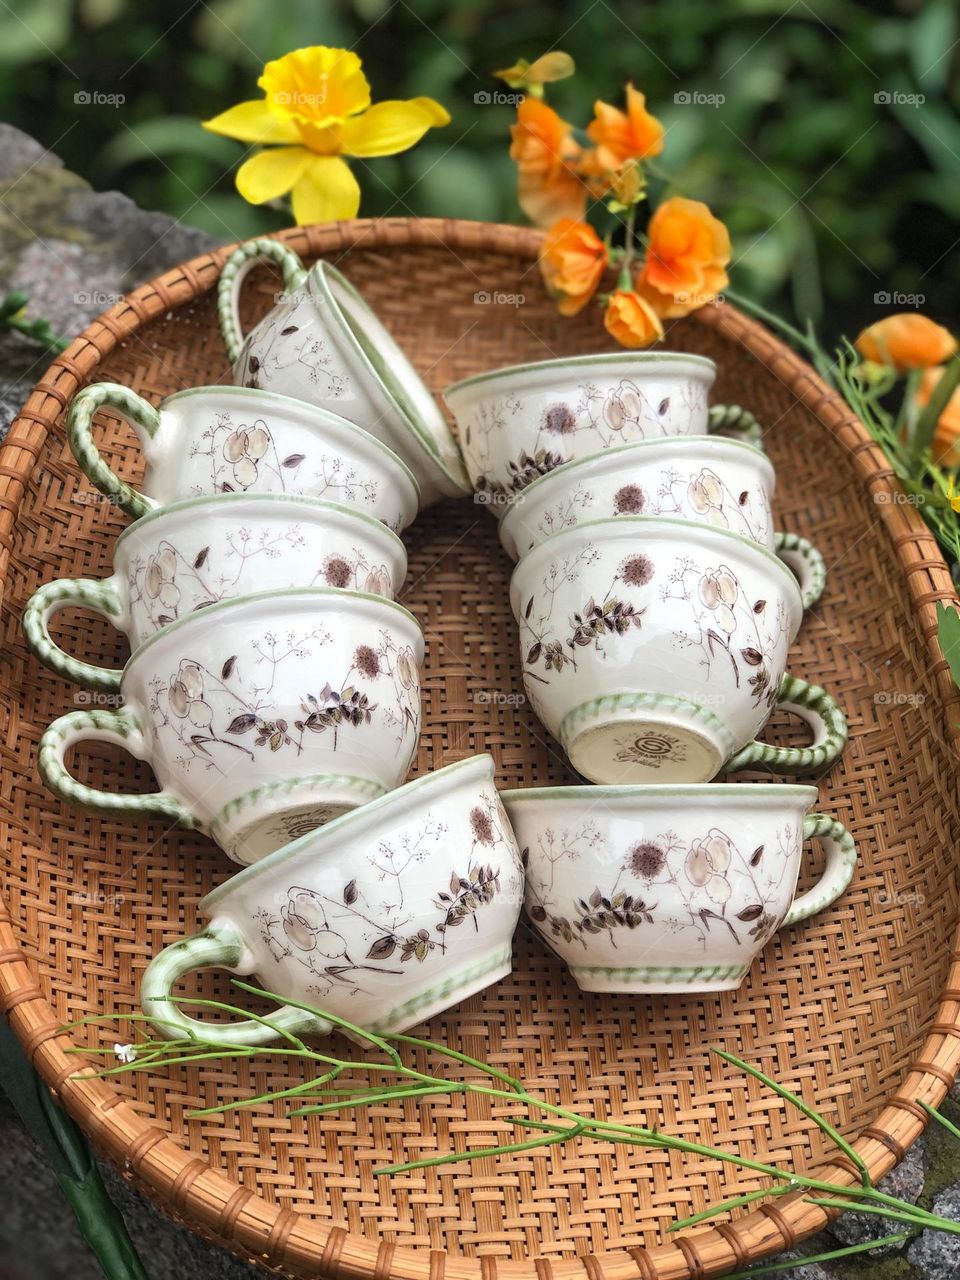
[(857, 1009)]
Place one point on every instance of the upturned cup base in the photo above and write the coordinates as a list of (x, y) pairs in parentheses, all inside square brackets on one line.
[(263, 820), (637, 738), (664, 980)]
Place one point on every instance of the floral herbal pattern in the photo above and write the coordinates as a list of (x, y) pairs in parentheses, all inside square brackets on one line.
[(213, 714), (175, 579), (597, 418), (282, 343), (244, 455), (393, 934), (699, 495), (662, 883)]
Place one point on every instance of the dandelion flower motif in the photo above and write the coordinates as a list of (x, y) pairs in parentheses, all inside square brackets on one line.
[(706, 866), (159, 582), (185, 695), (646, 859), (125, 1053), (706, 497), (336, 571), (482, 825), (367, 661), (629, 500), (560, 420), (718, 592), (636, 571), (244, 448)]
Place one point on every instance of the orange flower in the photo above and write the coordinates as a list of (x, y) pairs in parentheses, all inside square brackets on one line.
[(572, 260), (686, 259), (545, 150), (624, 135), (946, 438), (906, 341), (631, 320)]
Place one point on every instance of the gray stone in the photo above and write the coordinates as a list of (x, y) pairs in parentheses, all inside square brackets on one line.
[(936, 1254), (906, 1183), (40, 1240), (73, 250)]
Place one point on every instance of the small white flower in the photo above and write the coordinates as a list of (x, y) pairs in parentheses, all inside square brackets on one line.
[(125, 1052)]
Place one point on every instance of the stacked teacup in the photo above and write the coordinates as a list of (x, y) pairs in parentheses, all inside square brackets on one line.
[(655, 607), (274, 684)]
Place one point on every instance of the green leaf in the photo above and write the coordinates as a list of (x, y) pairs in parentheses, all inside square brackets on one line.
[(66, 1149), (948, 635)]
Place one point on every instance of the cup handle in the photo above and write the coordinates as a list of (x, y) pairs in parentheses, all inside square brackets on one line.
[(805, 563), (235, 270), (829, 725), (102, 597), (841, 862), (141, 415), (219, 946), (122, 728), (735, 421)]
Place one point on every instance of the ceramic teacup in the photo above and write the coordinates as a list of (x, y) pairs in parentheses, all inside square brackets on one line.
[(190, 555), (384, 917), (262, 717), (654, 649), (324, 344), (518, 423), (671, 888), (210, 440), (726, 483)]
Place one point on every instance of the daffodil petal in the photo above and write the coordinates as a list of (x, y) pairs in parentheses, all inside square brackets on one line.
[(253, 122), (326, 191), (389, 127), (272, 173)]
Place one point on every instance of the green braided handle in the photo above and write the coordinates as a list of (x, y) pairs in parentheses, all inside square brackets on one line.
[(219, 946), (841, 861), (122, 728), (829, 724), (102, 597), (735, 421), (235, 271), (805, 563), (141, 415)]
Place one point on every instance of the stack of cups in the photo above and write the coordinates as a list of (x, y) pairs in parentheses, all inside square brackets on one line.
[(274, 684), (655, 606)]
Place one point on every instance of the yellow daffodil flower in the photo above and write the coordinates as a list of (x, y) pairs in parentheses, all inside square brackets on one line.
[(316, 109)]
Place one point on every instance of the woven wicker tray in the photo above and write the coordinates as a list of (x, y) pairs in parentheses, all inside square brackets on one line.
[(858, 1009)]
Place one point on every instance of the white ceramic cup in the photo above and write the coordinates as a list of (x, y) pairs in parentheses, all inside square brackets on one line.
[(385, 917), (725, 483), (654, 649), (324, 344), (262, 717), (518, 423), (671, 888), (195, 553), (211, 440)]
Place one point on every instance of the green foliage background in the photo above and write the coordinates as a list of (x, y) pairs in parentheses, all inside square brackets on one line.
[(835, 185)]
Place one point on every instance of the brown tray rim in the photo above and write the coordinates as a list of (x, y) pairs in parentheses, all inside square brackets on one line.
[(279, 1238)]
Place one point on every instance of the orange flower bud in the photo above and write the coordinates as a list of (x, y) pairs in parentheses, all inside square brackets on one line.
[(946, 438), (907, 340), (546, 153), (687, 255), (625, 135), (631, 320), (572, 260)]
